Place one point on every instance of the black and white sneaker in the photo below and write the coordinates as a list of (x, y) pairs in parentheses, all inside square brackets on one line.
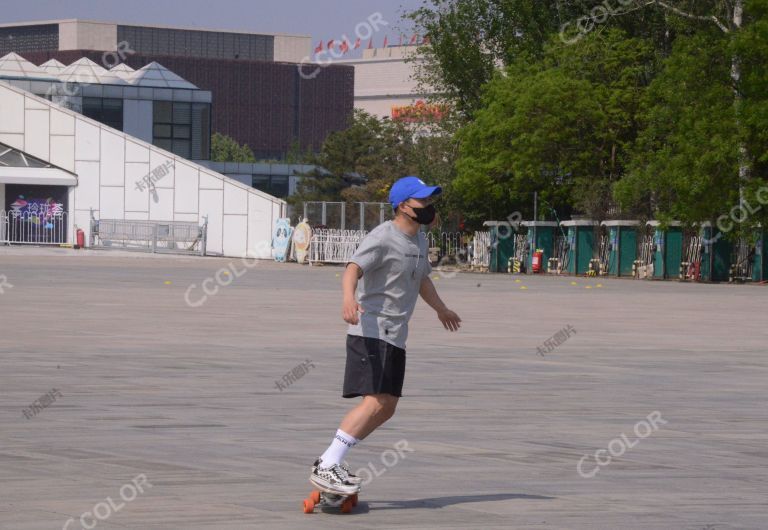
[(351, 478), (333, 479)]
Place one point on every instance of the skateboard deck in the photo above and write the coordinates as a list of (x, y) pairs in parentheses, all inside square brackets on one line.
[(326, 499)]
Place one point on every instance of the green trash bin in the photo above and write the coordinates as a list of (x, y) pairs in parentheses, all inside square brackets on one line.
[(716, 254), (622, 246), (760, 265), (582, 244), (502, 243), (668, 253), (541, 235)]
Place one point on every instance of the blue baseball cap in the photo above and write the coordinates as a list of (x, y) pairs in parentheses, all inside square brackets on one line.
[(411, 188)]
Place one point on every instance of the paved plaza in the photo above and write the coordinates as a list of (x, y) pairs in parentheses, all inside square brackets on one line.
[(131, 399)]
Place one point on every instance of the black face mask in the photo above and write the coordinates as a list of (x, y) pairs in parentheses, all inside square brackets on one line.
[(424, 216)]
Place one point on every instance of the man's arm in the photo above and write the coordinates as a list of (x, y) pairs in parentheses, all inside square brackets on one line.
[(428, 292), (350, 307)]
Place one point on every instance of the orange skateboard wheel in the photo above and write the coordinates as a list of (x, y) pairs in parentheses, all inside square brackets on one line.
[(315, 496), (346, 507), (354, 500), (309, 506)]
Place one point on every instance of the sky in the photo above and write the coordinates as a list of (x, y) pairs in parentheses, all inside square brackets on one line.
[(323, 20)]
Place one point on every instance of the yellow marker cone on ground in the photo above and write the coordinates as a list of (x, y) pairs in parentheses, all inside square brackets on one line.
[(574, 283), (588, 287), (435, 277), (518, 281), (599, 285), (523, 288), (167, 282)]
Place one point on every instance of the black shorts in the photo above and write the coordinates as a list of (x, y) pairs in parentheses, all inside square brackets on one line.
[(374, 366)]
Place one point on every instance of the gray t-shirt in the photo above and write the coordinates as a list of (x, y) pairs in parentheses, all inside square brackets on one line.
[(393, 265)]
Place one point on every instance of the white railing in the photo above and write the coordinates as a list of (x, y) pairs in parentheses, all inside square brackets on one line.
[(450, 243), (334, 246), (481, 256), (33, 228)]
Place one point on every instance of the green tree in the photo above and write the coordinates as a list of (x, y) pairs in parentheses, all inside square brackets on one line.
[(702, 150), (377, 151), (560, 126), (226, 149), (470, 40)]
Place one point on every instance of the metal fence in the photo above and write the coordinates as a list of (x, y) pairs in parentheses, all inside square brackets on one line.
[(644, 263), (334, 246), (481, 256), (343, 216), (32, 228), (150, 236), (449, 243), (561, 254), (742, 260)]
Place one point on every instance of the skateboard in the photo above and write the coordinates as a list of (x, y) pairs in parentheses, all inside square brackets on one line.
[(324, 499)]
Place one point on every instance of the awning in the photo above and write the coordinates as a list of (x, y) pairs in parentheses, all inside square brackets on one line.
[(41, 176)]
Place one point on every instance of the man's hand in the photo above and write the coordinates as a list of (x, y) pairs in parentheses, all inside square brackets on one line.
[(450, 320), (350, 309)]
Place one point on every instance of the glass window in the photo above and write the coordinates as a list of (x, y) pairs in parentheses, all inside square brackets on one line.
[(279, 186), (112, 113), (201, 131), (182, 131), (182, 113), (163, 111), (162, 130), (261, 182), (104, 110), (182, 148), (163, 143)]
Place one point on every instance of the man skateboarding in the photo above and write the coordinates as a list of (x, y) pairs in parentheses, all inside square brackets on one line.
[(393, 263)]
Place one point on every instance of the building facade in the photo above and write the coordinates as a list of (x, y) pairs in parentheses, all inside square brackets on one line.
[(260, 98), (385, 85)]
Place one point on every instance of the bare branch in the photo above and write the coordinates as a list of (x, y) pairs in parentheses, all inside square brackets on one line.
[(691, 16)]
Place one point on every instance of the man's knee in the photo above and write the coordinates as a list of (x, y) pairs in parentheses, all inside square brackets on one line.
[(384, 405)]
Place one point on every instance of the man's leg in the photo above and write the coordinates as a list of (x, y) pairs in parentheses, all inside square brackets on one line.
[(361, 421), (369, 415)]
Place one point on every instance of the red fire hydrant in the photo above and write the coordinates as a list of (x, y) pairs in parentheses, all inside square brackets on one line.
[(80, 243)]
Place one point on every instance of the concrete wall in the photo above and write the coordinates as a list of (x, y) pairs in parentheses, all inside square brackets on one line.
[(384, 79), (80, 35), (109, 163), (292, 49)]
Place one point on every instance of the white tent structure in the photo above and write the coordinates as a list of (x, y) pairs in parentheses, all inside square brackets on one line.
[(122, 70), (86, 71), (53, 67), (14, 65), (158, 76), (100, 167)]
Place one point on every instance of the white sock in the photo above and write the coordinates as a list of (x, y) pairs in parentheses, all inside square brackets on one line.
[(336, 452)]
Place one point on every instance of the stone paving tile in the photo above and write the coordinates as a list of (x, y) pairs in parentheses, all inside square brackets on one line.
[(186, 396)]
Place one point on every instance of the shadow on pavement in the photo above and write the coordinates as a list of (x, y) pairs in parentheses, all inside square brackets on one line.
[(442, 502)]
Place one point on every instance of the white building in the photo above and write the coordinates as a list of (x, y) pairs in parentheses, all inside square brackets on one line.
[(48, 149), (384, 81)]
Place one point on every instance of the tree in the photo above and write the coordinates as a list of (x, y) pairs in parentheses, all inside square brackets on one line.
[(226, 149), (702, 151), (377, 152), (470, 40), (560, 126)]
